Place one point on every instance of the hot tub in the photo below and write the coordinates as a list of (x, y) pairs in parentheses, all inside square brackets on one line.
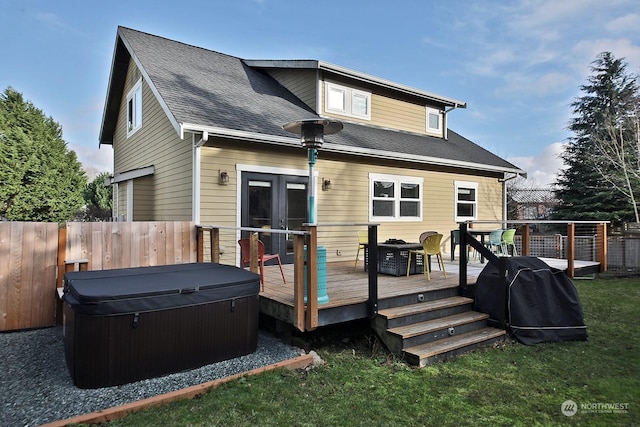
[(130, 324)]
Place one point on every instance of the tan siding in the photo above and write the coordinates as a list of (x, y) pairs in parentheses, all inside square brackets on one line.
[(157, 144), (387, 111), (302, 83), (143, 206), (346, 202)]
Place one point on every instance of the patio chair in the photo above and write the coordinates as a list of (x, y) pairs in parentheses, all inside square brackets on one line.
[(508, 241), (363, 239), (245, 255), (430, 246), (426, 234), (495, 242), (455, 242)]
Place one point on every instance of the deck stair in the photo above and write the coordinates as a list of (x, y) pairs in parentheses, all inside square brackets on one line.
[(433, 325)]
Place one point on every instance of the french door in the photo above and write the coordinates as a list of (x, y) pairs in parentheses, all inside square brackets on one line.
[(274, 202)]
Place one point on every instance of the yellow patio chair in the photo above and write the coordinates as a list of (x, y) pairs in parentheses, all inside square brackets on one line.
[(430, 246), (508, 241), (363, 239)]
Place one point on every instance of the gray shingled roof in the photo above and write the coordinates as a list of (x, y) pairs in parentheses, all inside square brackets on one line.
[(206, 88)]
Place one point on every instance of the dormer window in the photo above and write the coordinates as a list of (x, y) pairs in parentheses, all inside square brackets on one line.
[(434, 120), (134, 108), (347, 101)]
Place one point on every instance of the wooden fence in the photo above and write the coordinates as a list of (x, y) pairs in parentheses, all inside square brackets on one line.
[(34, 257)]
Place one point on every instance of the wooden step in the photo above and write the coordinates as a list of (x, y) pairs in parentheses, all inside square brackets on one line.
[(424, 354), (431, 330), (423, 311)]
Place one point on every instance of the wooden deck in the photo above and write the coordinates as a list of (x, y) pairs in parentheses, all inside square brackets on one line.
[(347, 288)]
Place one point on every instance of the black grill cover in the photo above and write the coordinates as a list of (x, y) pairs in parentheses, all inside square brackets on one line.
[(541, 303)]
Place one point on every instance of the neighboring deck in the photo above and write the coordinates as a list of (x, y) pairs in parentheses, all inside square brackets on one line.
[(347, 288)]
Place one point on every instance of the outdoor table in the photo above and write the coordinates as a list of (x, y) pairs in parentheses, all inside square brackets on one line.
[(393, 258), (482, 234)]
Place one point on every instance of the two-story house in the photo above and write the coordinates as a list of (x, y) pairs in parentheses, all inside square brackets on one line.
[(198, 135)]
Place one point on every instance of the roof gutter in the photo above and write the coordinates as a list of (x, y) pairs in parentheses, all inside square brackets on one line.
[(339, 149)]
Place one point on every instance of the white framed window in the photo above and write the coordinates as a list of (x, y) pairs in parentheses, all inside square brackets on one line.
[(466, 201), (434, 120), (134, 108), (395, 198), (347, 101)]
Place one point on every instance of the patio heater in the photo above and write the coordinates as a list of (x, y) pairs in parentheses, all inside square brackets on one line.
[(312, 133)]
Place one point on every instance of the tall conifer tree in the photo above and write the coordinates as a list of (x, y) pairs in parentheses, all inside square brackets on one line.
[(40, 178), (595, 185)]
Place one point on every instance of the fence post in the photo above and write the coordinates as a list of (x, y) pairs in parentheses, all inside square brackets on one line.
[(571, 242), (601, 246)]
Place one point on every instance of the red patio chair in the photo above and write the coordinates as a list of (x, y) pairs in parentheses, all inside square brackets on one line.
[(245, 255)]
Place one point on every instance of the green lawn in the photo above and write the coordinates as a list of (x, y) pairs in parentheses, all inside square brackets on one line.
[(512, 384)]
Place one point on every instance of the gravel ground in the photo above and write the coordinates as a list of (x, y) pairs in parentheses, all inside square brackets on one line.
[(36, 387)]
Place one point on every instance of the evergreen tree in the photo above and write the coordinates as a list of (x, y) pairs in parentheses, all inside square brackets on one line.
[(97, 198), (602, 179), (40, 178)]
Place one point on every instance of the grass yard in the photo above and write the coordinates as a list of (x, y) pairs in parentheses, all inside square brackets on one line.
[(512, 384)]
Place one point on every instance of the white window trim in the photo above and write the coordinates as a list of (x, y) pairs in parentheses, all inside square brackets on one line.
[(349, 93), (465, 184), (137, 105), (439, 113), (397, 180)]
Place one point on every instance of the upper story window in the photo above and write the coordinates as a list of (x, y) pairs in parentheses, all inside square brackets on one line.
[(134, 108), (434, 120), (347, 101), (395, 198), (466, 201)]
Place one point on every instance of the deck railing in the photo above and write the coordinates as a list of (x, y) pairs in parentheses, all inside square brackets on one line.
[(596, 237), (305, 317)]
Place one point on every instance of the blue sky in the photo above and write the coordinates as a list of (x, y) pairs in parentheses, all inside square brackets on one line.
[(517, 64)]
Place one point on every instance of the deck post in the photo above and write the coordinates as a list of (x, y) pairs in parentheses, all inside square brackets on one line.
[(571, 241), (462, 276), (298, 282), (601, 246), (526, 240), (199, 244), (311, 321), (372, 254), (253, 251), (214, 239)]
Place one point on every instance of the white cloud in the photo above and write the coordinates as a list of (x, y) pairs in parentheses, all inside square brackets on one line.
[(620, 48), (542, 169), (624, 24)]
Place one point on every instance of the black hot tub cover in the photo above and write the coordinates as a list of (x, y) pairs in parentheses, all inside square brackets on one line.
[(541, 303), (140, 289)]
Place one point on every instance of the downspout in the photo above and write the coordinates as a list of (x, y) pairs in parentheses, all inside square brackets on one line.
[(504, 196), (444, 121), (197, 157)]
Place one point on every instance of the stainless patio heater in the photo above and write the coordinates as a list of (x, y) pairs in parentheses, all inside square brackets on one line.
[(312, 133)]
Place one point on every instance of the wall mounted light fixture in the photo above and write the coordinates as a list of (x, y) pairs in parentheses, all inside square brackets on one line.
[(223, 177), (326, 184)]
